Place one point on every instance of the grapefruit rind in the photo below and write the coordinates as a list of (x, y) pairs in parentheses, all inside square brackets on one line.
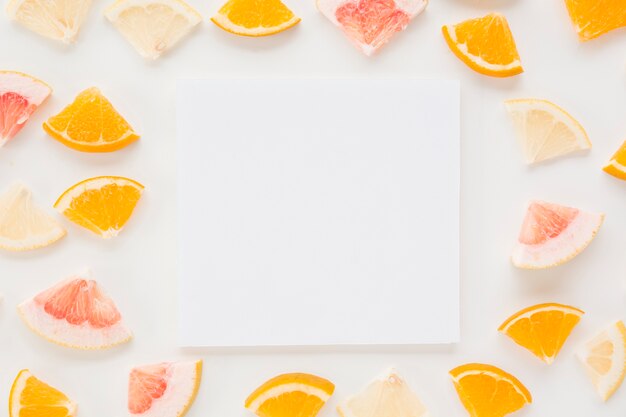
[(606, 385), (18, 387), (329, 8), (562, 248), (183, 382), (157, 45)]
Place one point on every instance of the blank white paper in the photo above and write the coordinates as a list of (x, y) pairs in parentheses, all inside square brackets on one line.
[(318, 212)]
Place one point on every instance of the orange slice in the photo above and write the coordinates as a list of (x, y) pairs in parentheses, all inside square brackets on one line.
[(593, 18), (485, 44), (255, 18), (604, 358), (617, 165), (91, 124), (289, 395), (31, 397), (101, 204), (543, 328), (488, 391)]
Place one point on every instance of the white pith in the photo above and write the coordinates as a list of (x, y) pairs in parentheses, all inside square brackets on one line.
[(286, 388), (61, 332), (18, 387), (182, 381), (569, 243), (31, 89), (607, 384)]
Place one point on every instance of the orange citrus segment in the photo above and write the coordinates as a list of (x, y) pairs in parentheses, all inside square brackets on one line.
[(91, 124), (31, 397), (101, 204), (543, 328), (593, 18), (488, 391), (287, 395), (255, 18), (485, 44), (617, 165), (604, 358)]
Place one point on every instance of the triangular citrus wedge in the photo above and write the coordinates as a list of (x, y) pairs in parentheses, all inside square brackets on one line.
[(593, 18), (23, 226), (165, 389), (289, 395), (545, 130), (153, 26), (617, 165), (485, 44), (101, 204), (553, 234), (387, 396), (604, 358), (91, 124), (75, 313), (31, 397), (255, 18), (370, 24), (488, 391), (543, 328), (55, 19), (20, 96)]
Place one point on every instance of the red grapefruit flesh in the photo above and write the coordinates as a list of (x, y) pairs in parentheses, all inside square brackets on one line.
[(75, 313), (163, 390), (370, 24), (20, 96), (553, 234)]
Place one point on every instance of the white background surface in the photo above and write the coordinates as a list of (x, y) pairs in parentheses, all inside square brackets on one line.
[(291, 209), (138, 269)]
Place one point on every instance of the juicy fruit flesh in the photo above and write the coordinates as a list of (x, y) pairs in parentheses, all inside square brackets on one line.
[(252, 14), (593, 18), (14, 112), (145, 385), (79, 301), (371, 22), (617, 164), (545, 221), (285, 405), (38, 399)]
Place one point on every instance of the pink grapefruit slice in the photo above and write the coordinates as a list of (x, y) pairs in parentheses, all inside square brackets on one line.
[(552, 235), (370, 24), (163, 390), (75, 313), (20, 96)]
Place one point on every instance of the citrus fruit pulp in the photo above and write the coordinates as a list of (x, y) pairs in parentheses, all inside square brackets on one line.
[(75, 313), (20, 96), (617, 165), (153, 26), (255, 18), (370, 24), (593, 18), (543, 328), (101, 204), (485, 44), (163, 390), (553, 234), (31, 397)]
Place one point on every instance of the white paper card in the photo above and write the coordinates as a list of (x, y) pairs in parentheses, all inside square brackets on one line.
[(318, 212)]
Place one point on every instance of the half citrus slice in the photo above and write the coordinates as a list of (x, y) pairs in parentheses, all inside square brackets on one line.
[(604, 358), (485, 44), (20, 96), (23, 226), (31, 397), (543, 328), (488, 391), (545, 130), (287, 395), (165, 389), (387, 396), (617, 165), (91, 124), (370, 24), (593, 18), (101, 204), (153, 26), (55, 19), (75, 313), (552, 235), (255, 18)]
